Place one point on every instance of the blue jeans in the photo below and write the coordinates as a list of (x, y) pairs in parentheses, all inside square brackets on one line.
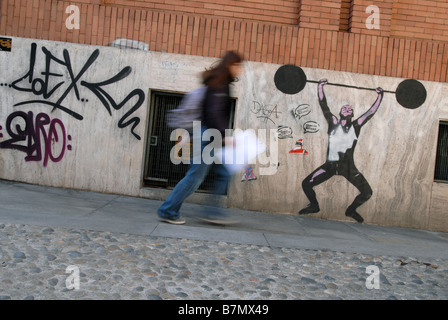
[(191, 182)]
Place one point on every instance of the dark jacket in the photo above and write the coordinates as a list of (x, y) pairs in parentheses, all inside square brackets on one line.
[(217, 108)]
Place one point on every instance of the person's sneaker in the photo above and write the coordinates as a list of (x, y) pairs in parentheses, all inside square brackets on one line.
[(173, 221), (311, 208)]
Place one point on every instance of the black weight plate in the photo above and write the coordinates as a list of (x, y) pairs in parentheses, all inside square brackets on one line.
[(411, 94), (290, 79)]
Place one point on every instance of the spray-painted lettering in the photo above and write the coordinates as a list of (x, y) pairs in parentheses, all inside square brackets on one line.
[(265, 112), (40, 137), (53, 88)]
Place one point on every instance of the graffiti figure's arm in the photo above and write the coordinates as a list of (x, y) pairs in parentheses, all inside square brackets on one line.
[(374, 108), (323, 102)]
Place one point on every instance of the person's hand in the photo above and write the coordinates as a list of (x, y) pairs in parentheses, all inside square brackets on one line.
[(379, 90), (229, 142), (323, 82)]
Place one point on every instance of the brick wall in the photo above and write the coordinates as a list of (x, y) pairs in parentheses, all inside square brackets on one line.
[(345, 15), (412, 19), (276, 11), (323, 15), (420, 19), (397, 49)]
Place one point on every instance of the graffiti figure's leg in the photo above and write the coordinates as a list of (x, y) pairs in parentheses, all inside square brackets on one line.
[(366, 192), (321, 174)]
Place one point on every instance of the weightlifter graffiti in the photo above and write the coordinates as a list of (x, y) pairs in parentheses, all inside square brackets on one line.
[(343, 133), (343, 136), (53, 89)]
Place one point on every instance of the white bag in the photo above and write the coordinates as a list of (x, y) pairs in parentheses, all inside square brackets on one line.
[(245, 150)]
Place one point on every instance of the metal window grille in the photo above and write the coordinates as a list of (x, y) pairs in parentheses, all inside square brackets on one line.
[(441, 171), (159, 170)]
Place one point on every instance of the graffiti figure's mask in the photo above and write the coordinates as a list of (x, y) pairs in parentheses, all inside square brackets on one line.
[(346, 113)]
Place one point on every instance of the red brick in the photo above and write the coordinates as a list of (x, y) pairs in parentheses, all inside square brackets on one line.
[(262, 30)]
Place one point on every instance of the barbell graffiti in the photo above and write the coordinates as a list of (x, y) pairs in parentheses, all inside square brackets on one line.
[(291, 79)]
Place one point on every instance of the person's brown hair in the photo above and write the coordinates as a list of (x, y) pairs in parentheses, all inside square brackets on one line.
[(220, 74)]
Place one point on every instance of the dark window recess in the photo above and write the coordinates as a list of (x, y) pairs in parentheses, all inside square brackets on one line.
[(159, 170), (441, 171)]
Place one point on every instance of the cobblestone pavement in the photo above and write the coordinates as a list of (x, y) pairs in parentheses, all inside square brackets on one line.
[(36, 263)]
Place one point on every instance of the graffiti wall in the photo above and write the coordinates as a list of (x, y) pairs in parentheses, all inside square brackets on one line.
[(341, 146), (64, 112), (351, 147), (75, 116)]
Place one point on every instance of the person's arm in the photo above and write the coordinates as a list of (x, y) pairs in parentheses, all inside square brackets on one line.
[(323, 102), (373, 109)]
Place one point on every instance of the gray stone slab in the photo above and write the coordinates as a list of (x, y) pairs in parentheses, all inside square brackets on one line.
[(21, 216), (209, 234), (268, 222), (366, 246), (318, 243), (98, 218), (254, 221), (119, 226), (411, 237), (314, 227), (140, 204), (123, 212), (23, 188), (36, 199), (54, 207)]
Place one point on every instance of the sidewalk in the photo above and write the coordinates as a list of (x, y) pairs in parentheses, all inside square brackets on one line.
[(54, 207)]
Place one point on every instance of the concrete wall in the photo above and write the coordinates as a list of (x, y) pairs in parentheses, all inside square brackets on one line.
[(88, 131), (395, 151)]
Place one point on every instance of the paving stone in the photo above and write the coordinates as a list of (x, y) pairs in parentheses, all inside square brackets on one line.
[(122, 266)]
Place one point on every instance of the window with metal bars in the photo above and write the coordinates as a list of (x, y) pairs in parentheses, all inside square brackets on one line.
[(159, 171), (441, 171)]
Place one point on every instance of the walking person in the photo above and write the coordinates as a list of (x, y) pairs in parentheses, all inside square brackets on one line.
[(216, 115)]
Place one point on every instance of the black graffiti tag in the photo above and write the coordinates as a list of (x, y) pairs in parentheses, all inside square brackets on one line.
[(108, 101), (47, 86), (265, 111), (42, 87)]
